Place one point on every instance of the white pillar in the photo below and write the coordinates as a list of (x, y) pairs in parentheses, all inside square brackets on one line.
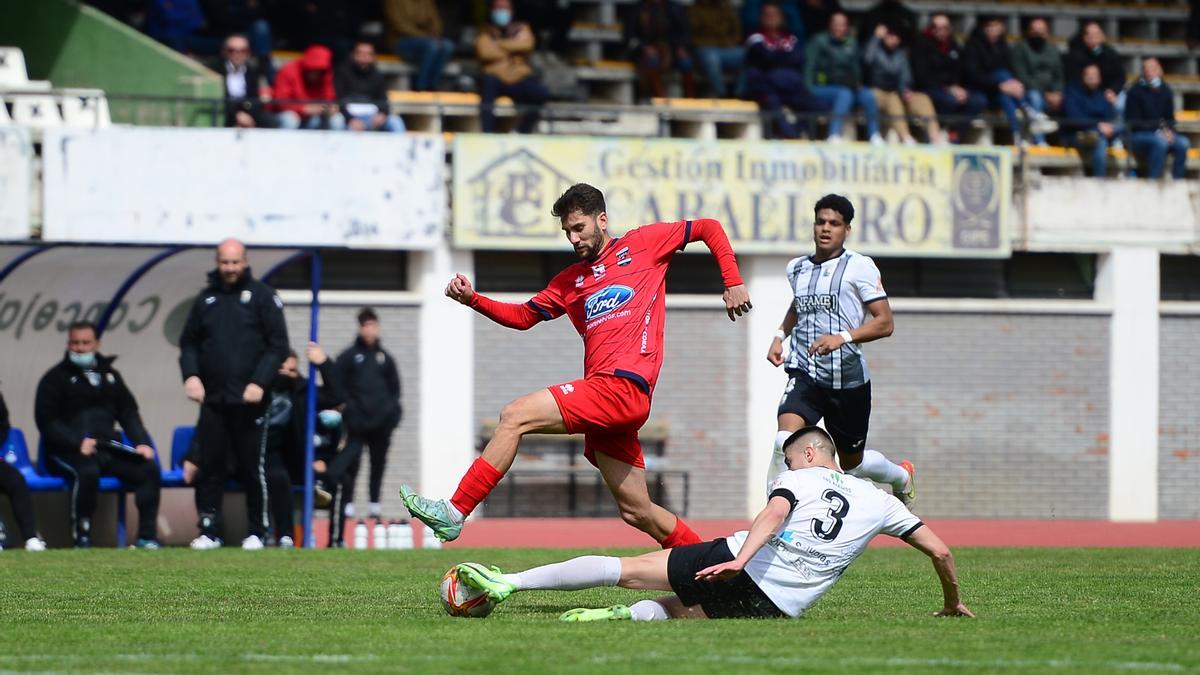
[(447, 346), (771, 295), (1127, 279)]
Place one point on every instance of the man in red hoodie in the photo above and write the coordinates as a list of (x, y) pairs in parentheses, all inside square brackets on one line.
[(304, 89)]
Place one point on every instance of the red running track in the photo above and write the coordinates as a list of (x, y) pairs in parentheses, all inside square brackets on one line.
[(611, 532)]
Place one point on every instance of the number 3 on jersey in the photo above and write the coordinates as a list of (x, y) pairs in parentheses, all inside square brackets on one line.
[(827, 530)]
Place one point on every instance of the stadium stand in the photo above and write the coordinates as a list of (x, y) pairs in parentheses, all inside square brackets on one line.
[(38, 105)]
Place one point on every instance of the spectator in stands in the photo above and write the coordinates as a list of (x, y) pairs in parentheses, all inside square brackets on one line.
[(12, 483), (243, 107), (79, 403), (833, 74), (181, 25), (1150, 117), (1038, 65), (1090, 47), (414, 27), (372, 384), (717, 36), (793, 19), (244, 17), (1090, 118), (304, 89), (657, 32), (890, 77), (775, 71), (286, 421), (891, 13), (987, 64), (937, 64), (503, 47), (363, 92)]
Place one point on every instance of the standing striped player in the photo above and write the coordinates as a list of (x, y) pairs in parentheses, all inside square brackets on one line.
[(834, 290)]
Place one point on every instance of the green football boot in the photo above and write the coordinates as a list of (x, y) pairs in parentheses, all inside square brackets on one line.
[(487, 580), (435, 513), (614, 613)]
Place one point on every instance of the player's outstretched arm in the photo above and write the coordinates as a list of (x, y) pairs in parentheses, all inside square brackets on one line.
[(775, 353), (709, 231), (927, 542), (765, 525), (512, 315)]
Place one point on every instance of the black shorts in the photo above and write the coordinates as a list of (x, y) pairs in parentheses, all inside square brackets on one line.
[(736, 598), (847, 412)]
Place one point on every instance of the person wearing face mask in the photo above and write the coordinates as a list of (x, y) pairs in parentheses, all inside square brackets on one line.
[(286, 423), (362, 90), (1038, 65), (503, 47), (833, 73), (1090, 120), (987, 63), (1150, 117), (79, 404)]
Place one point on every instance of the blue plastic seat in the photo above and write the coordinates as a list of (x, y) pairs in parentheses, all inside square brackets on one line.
[(16, 453), (181, 440)]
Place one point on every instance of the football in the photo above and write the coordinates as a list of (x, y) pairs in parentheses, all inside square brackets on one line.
[(460, 599)]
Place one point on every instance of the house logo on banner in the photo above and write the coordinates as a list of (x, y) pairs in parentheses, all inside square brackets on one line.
[(512, 196), (912, 202)]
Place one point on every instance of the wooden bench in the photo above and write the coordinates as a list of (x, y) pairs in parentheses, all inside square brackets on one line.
[(552, 460)]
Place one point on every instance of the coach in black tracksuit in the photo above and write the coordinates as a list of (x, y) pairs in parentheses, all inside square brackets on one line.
[(232, 346), (372, 384), (79, 402)]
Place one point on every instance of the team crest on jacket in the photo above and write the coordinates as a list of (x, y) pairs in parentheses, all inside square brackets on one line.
[(606, 301), (623, 258), (245, 296), (598, 270)]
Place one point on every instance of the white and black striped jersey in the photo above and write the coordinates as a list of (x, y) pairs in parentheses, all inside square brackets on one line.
[(832, 296)]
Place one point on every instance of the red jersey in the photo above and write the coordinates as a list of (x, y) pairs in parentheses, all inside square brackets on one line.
[(617, 302)]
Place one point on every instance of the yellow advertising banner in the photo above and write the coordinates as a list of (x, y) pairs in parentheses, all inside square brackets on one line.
[(951, 201)]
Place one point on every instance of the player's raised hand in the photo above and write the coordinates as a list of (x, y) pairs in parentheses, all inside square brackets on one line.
[(959, 610), (737, 301), (460, 290), (722, 572), (775, 353)]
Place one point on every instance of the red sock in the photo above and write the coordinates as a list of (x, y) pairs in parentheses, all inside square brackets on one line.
[(682, 535), (475, 486)]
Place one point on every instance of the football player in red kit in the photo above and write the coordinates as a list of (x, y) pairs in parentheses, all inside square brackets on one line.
[(616, 299)]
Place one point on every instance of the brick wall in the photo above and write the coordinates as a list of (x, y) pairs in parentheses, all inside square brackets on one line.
[(1179, 427), (338, 328), (701, 394), (1005, 416)]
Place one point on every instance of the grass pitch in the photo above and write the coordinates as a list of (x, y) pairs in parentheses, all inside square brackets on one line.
[(271, 611)]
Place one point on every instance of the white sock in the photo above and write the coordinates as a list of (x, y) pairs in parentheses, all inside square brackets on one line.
[(878, 468), (587, 571), (374, 510), (648, 610), (455, 515), (777, 466)]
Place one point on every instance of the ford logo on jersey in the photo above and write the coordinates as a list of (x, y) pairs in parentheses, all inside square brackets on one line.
[(605, 301)]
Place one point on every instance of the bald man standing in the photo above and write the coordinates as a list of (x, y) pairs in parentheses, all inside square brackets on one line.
[(232, 345)]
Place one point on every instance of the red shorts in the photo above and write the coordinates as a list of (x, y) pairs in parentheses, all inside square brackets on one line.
[(608, 411)]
